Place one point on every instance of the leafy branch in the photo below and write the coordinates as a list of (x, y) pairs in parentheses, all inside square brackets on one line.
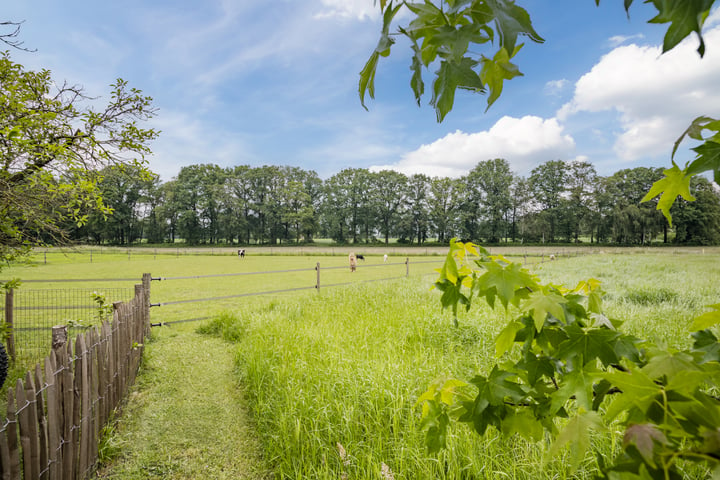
[(566, 370)]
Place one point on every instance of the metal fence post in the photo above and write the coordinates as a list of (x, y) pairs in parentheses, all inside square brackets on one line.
[(407, 267), (317, 283), (9, 314)]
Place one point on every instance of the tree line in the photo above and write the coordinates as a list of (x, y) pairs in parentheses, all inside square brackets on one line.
[(560, 201)]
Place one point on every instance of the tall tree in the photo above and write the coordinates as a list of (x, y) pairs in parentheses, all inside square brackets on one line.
[(53, 140), (444, 206), (581, 184), (698, 222), (389, 192), (416, 213), (633, 222), (124, 189), (490, 181), (548, 183)]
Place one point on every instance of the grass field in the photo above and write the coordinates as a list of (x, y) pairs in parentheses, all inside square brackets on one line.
[(342, 372), (331, 378)]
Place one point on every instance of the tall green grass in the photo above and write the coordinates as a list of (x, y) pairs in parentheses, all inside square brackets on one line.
[(333, 382), (333, 379)]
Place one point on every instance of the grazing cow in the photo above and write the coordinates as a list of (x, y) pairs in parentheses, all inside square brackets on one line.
[(241, 253), (353, 262), (361, 257)]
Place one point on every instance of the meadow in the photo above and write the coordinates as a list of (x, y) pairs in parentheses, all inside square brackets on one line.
[(332, 377)]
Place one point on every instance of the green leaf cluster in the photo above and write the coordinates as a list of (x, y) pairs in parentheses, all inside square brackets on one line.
[(567, 371), (448, 34)]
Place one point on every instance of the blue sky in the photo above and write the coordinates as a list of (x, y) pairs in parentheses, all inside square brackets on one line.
[(255, 83)]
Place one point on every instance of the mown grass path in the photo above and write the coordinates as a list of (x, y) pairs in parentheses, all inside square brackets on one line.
[(185, 417)]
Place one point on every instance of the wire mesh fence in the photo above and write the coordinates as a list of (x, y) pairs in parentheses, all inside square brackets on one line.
[(31, 314)]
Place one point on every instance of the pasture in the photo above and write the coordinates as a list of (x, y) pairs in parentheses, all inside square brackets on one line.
[(331, 377)]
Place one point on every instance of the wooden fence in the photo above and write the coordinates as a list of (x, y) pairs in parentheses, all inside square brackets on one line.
[(55, 416)]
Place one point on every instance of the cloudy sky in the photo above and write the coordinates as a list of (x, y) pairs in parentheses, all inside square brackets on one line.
[(255, 83)]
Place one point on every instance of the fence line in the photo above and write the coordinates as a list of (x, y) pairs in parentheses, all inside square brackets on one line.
[(27, 312), (54, 416)]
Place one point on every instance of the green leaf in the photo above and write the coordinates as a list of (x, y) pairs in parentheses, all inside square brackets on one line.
[(578, 384), (367, 74), (668, 365), (708, 159), (524, 424), (496, 388), (676, 183), (638, 390), (707, 319), (589, 344), (685, 17), (510, 21), (504, 282), (367, 78), (416, 82), (494, 72), (707, 344), (506, 338), (451, 76), (541, 304), (576, 433), (695, 131), (534, 367)]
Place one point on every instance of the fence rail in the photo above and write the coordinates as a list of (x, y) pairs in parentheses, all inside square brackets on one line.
[(55, 414)]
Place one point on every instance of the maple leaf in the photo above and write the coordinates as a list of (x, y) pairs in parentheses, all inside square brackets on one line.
[(638, 391), (541, 304), (503, 282), (667, 365), (675, 183), (685, 17), (453, 74), (506, 338), (589, 343), (523, 423), (511, 21), (496, 70), (496, 387), (578, 384), (576, 433), (707, 344), (644, 437), (707, 319)]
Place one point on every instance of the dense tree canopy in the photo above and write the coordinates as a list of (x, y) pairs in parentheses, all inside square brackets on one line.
[(558, 202)]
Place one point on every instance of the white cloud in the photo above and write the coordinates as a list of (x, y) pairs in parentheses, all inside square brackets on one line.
[(524, 142), (555, 87), (655, 95), (185, 140), (618, 40), (359, 9)]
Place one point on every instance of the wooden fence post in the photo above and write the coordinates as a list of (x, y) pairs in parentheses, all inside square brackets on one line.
[(407, 266), (9, 319), (146, 280), (59, 336)]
